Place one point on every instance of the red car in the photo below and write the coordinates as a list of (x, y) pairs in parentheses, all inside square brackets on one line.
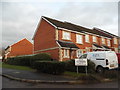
[(118, 55)]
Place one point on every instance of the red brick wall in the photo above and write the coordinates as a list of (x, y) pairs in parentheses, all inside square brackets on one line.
[(85, 44), (54, 53), (45, 39), (23, 47), (73, 39), (45, 36)]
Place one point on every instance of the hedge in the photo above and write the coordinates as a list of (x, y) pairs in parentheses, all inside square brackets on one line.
[(23, 61), (40, 57), (50, 67), (70, 66), (28, 60)]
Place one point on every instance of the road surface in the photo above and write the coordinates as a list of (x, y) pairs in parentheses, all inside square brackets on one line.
[(7, 83)]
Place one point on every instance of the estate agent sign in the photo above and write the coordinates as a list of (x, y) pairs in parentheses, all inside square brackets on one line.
[(81, 62)]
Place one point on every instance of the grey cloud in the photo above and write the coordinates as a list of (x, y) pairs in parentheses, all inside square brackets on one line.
[(20, 19), (90, 14)]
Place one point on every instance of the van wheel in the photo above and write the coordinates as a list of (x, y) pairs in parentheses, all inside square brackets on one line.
[(100, 69)]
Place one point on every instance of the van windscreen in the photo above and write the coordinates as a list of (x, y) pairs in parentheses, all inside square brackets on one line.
[(83, 56)]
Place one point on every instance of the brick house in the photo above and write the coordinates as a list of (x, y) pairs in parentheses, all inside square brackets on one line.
[(65, 41), (22, 47)]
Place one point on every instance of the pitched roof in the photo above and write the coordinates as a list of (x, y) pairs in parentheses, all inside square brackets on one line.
[(61, 24), (24, 39), (67, 44), (74, 27), (104, 32), (7, 47)]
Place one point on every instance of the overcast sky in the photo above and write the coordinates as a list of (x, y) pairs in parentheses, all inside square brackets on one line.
[(19, 19)]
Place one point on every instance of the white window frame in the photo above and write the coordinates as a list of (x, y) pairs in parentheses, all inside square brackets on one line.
[(87, 39), (87, 49), (66, 53), (79, 39), (115, 40), (66, 35), (108, 42), (103, 40), (94, 38)]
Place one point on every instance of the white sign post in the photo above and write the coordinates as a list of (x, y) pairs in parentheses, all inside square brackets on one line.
[(81, 62)]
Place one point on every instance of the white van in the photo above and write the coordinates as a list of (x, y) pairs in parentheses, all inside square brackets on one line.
[(102, 59)]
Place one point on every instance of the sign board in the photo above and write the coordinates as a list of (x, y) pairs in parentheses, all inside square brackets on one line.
[(81, 62), (0, 57)]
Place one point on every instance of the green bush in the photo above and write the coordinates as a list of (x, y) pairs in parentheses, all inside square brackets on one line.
[(70, 66), (24, 61), (91, 67), (51, 67), (28, 60), (40, 57)]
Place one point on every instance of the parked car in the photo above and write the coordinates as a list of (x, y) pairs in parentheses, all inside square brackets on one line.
[(102, 59), (118, 55)]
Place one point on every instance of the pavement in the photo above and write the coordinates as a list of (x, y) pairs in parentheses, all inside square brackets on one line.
[(38, 77), (35, 77)]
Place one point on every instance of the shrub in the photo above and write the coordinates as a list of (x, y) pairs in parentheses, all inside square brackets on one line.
[(70, 66), (28, 60), (24, 61), (39, 57), (91, 67), (42, 56), (51, 67)]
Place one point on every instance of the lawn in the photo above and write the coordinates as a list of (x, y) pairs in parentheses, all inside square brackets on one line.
[(0, 64), (17, 67)]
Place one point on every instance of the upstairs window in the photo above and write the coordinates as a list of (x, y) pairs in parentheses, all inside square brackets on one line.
[(103, 40), (79, 39), (115, 40), (94, 39), (86, 38), (108, 42), (66, 35)]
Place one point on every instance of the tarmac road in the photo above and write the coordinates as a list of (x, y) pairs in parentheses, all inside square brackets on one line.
[(7, 83)]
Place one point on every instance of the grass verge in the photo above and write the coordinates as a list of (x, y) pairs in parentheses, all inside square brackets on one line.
[(73, 74), (83, 77), (106, 77), (17, 67)]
